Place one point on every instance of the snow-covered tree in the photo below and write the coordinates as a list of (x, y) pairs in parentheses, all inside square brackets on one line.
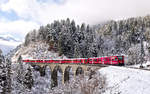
[(3, 75), (5, 80), (28, 80)]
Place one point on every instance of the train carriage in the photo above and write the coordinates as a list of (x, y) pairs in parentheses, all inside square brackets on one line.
[(111, 60)]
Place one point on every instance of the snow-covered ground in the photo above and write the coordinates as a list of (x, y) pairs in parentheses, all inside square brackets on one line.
[(122, 80)]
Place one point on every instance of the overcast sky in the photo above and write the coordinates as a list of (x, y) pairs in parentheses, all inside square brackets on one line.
[(17, 17)]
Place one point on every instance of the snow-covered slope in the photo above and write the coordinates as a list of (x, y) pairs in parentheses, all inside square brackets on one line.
[(126, 80), (7, 43), (36, 50)]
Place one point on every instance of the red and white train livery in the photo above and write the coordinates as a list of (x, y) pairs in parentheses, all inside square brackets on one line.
[(110, 60)]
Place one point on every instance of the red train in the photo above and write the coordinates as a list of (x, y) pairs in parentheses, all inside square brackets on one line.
[(111, 60)]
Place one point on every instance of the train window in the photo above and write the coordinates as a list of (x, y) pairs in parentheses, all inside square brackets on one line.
[(86, 60), (120, 58), (90, 59), (95, 60), (113, 59)]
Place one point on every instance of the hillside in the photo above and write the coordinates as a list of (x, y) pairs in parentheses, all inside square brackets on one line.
[(124, 37)]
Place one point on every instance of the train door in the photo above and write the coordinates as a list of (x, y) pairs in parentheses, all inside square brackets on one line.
[(114, 60), (105, 60), (102, 60), (85, 61), (95, 61), (90, 60)]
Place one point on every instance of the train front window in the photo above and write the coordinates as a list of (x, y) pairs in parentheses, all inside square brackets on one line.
[(120, 58), (116, 59)]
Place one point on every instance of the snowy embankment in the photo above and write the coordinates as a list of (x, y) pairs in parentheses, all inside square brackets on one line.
[(126, 80)]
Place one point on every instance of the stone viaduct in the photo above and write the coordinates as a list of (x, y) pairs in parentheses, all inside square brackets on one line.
[(65, 69)]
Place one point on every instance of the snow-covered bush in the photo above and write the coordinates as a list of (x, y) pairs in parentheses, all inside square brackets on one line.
[(134, 54)]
